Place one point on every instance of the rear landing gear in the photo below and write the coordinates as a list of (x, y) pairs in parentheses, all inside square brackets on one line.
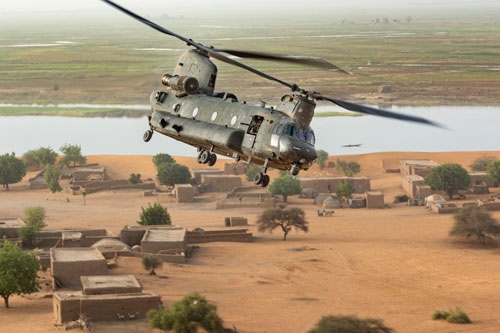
[(295, 170), (261, 179), (147, 135)]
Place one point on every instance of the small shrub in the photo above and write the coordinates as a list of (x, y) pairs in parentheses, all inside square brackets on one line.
[(349, 324), (35, 215), (475, 221), (155, 214), (252, 171), (348, 168), (344, 190), (458, 317), (150, 263), (135, 178), (482, 163), (440, 315)]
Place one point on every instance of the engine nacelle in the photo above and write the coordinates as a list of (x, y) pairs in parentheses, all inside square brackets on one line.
[(181, 84), (195, 64)]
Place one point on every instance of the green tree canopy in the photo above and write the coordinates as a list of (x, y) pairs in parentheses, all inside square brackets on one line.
[(322, 157), (161, 159), (475, 221), (150, 263), (51, 175), (286, 219), (482, 163), (252, 171), (134, 178), (348, 168), (155, 214), (18, 272), (449, 178), (45, 156), (30, 160), (72, 154), (344, 190), (285, 186), (173, 173), (493, 171), (34, 218), (186, 315), (349, 324), (12, 170)]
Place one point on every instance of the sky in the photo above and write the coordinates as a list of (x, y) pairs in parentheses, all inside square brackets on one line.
[(214, 8)]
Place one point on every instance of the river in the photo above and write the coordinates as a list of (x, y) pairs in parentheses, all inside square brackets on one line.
[(469, 128)]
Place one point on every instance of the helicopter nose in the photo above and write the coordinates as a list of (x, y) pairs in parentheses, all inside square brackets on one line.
[(296, 152)]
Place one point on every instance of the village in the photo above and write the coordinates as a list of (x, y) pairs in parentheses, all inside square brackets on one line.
[(91, 249)]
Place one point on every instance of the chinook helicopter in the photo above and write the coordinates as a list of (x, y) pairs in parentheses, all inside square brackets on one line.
[(189, 110)]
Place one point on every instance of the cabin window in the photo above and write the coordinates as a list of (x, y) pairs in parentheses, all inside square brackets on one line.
[(195, 112), (176, 107), (233, 120), (254, 126), (214, 116)]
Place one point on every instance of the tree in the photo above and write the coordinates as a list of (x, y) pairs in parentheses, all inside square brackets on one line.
[(150, 263), (285, 186), (45, 156), (287, 219), (186, 315), (482, 163), (84, 195), (252, 171), (18, 272), (344, 190), (322, 157), (449, 178), (173, 173), (349, 324), (493, 171), (348, 168), (33, 222), (134, 178), (154, 215), (475, 221), (72, 154), (30, 160), (51, 175), (12, 170), (161, 159)]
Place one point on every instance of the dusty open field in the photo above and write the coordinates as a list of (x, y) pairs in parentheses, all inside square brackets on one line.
[(397, 264)]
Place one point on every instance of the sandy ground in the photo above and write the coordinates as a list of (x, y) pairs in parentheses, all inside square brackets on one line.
[(397, 264)]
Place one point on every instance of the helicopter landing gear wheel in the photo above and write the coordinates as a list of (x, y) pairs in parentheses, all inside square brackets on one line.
[(259, 178), (204, 157), (147, 135), (212, 160), (265, 181), (295, 170)]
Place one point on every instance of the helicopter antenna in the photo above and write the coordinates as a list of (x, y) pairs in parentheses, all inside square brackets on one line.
[(294, 87)]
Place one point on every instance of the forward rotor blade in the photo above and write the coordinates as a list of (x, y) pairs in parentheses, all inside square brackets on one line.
[(301, 60), (204, 48), (377, 112)]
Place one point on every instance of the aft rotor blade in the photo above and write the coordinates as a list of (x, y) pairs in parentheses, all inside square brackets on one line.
[(377, 112), (301, 60), (204, 48)]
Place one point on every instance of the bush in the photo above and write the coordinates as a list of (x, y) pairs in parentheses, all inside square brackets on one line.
[(285, 186), (348, 168), (494, 171), (449, 178), (34, 221), (349, 324), (344, 190), (135, 178), (161, 159), (150, 263), (322, 157), (186, 315), (154, 215), (482, 163), (173, 173), (30, 160), (252, 171), (51, 176), (474, 221), (457, 316)]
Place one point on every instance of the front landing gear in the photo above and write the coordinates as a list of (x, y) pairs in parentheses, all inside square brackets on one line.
[(206, 157), (147, 135), (295, 170)]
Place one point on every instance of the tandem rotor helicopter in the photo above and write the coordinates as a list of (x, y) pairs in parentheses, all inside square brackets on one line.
[(279, 137)]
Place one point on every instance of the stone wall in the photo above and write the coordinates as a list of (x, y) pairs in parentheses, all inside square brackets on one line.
[(221, 183), (239, 235), (329, 184), (375, 199), (184, 193)]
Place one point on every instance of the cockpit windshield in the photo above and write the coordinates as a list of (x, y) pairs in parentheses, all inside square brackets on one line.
[(306, 136)]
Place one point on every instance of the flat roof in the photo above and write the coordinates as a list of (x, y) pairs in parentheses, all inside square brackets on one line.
[(71, 254), (207, 171), (374, 193), (423, 162), (184, 185), (165, 235), (11, 223), (110, 281), (414, 178), (333, 178)]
